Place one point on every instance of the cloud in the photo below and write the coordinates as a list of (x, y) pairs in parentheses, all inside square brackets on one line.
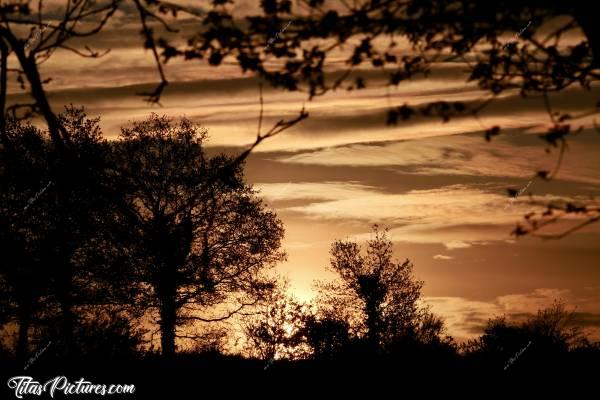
[(329, 191), (512, 155), (439, 187), (456, 244), (442, 257), (466, 318), (524, 303), (456, 215)]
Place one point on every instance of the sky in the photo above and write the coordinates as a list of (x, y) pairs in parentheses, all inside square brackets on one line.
[(439, 188)]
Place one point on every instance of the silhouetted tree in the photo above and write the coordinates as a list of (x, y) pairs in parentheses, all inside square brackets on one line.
[(548, 337), (23, 273), (57, 207), (78, 209), (378, 293), (200, 238)]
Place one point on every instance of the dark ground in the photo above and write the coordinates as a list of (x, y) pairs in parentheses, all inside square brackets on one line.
[(198, 376)]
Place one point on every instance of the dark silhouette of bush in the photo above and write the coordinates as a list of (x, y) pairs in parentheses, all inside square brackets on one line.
[(328, 337), (549, 340), (98, 335)]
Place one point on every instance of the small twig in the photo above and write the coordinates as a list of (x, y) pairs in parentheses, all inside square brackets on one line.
[(568, 231), (260, 115)]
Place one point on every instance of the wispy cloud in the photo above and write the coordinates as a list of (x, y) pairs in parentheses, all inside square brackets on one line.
[(509, 156), (456, 215), (466, 318)]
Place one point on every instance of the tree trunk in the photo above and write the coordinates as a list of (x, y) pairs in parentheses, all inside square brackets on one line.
[(28, 63), (165, 283), (167, 293), (372, 325), (168, 319)]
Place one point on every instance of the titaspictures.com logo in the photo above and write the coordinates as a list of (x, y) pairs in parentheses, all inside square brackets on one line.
[(26, 385)]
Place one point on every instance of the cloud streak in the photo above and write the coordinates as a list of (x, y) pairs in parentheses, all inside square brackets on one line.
[(466, 318)]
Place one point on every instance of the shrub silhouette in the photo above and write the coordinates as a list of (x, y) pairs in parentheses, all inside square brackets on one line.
[(541, 342), (377, 296)]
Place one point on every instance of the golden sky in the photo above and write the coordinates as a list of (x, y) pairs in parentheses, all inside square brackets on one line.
[(439, 188)]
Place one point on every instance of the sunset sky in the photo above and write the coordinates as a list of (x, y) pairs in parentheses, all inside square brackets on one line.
[(439, 188)]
